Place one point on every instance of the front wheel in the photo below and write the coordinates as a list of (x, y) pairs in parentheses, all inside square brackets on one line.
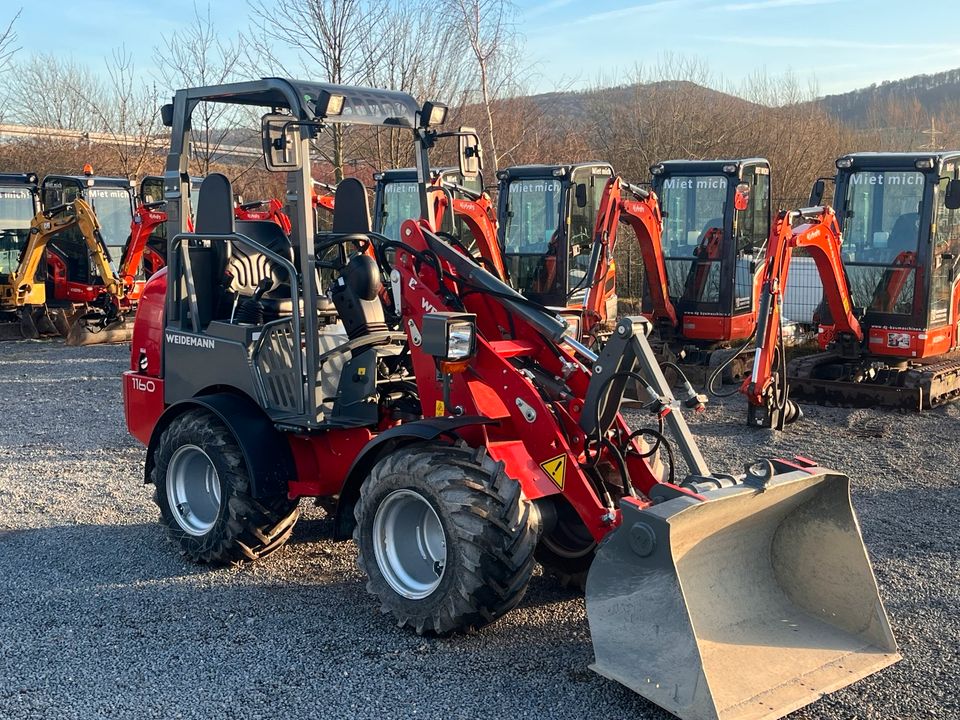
[(446, 539), (203, 491)]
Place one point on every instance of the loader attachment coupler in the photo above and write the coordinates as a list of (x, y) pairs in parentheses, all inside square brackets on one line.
[(748, 605)]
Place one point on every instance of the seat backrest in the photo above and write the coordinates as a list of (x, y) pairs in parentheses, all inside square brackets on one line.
[(351, 209), (903, 234), (248, 266), (214, 216)]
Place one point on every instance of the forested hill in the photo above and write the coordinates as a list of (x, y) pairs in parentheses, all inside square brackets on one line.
[(930, 94), (933, 93)]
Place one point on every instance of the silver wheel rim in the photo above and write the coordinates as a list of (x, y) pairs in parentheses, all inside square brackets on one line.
[(193, 490), (409, 544)]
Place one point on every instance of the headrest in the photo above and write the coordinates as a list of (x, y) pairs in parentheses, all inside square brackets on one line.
[(351, 212), (214, 206)]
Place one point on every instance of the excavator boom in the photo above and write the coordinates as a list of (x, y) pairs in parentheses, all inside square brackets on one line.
[(819, 234)]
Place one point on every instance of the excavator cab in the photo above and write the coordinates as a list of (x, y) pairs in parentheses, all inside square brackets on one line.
[(396, 200), (901, 244), (547, 215), (19, 203), (716, 222)]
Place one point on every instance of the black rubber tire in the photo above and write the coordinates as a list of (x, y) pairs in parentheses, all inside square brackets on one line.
[(491, 532), (568, 553), (247, 528)]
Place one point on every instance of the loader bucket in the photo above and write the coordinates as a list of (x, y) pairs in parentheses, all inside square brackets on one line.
[(744, 607)]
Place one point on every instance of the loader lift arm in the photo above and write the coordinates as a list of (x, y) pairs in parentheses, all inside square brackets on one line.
[(765, 387)]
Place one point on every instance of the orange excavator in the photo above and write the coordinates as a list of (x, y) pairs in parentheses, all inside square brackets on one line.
[(702, 231), (716, 222), (272, 209), (888, 323), (471, 227), (548, 217)]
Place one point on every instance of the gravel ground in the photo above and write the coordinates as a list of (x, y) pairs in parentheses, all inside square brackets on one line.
[(100, 617)]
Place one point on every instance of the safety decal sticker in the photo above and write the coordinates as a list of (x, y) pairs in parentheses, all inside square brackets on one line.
[(556, 468), (440, 409)]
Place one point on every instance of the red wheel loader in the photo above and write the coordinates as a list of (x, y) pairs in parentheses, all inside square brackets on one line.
[(457, 432), (887, 260)]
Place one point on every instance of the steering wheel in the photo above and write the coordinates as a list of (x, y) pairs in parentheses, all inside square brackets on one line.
[(362, 244)]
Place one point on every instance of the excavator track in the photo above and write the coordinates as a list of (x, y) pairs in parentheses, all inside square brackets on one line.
[(920, 385)]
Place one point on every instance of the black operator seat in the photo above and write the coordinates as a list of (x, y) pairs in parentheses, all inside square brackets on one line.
[(904, 234), (240, 267), (356, 292)]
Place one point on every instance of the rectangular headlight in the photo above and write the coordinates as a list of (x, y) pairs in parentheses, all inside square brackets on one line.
[(461, 340), (449, 336), (330, 104), (432, 114), (844, 163), (573, 326)]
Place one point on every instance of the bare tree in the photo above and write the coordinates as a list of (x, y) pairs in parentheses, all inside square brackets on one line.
[(197, 56), (39, 84), (490, 30), (334, 35), (8, 38), (127, 112), (422, 62)]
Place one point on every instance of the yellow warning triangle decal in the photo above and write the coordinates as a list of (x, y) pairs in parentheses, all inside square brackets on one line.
[(555, 468)]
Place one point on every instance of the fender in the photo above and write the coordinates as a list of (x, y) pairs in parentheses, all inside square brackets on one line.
[(265, 449), (388, 441)]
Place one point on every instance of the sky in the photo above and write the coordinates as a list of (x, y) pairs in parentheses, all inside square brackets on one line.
[(839, 45)]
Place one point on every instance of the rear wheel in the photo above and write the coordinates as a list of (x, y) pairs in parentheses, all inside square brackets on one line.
[(446, 539), (203, 491)]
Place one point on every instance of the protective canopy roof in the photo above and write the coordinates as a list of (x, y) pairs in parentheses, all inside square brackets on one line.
[(362, 106)]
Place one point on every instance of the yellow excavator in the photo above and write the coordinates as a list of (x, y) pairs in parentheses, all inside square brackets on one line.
[(23, 292)]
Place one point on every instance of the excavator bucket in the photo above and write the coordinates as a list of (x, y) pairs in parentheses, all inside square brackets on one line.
[(745, 606), (80, 333), (27, 323)]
